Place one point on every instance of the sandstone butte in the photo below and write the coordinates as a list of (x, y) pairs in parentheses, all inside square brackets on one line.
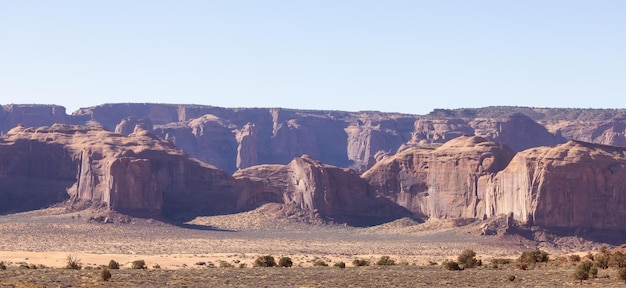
[(141, 174), (464, 163)]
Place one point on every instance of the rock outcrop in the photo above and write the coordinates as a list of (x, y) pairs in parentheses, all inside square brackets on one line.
[(443, 181), (329, 191), (135, 174), (575, 184), (31, 116)]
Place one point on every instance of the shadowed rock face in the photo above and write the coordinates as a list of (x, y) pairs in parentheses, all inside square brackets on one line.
[(316, 187), (441, 182), (138, 174), (575, 184)]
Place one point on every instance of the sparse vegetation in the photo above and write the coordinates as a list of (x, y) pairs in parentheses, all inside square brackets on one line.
[(265, 261), (72, 262), (285, 262), (467, 259), (360, 262), (3, 266), (512, 278), (574, 258), (138, 264), (533, 256), (225, 264), (582, 271), (113, 265), (452, 266), (385, 261), (320, 263), (340, 264), (621, 273), (105, 274), (617, 260)]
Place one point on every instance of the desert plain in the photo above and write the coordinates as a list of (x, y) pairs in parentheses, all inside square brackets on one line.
[(191, 254)]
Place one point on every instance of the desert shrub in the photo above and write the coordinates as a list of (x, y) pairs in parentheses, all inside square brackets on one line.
[(621, 273), (582, 271), (138, 264), (340, 264), (319, 263), (105, 274), (385, 261), (452, 266), (360, 262), (601, 260), (72, 262), (467, 259), (593, 272), (3, 266), (156, 266), (521, 265), (574, 258), (617, 260), (500, 261), (512, 278), (285, 262), (224, 264), (113, 265), (533, 256), (265, 261)]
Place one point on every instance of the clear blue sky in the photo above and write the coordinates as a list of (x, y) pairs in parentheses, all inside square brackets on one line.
[(396, 56)]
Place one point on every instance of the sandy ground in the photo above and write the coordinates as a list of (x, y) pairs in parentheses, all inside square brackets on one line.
[(47, 238)]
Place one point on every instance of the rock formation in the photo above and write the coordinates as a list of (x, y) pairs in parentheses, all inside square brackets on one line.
[(132, 125), (312, 186), (138, 174), (575, 184), (443, 181)]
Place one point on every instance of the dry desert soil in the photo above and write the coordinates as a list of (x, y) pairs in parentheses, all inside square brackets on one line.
[(34, 247)]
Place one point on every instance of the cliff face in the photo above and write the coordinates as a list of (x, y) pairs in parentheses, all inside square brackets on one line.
[(312, 186), (441, 182), (31, 116), (346, 139), (571, 185), (135, 174)]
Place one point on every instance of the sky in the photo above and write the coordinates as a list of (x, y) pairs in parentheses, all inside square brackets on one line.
[(392, 56)]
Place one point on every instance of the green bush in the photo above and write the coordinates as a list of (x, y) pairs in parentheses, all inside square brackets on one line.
[(533, 256), (224, 264), (593, 272), (320, 263), (621, 273), (105, 274), (265, 261), (285, 262), (582, 271), (113, 265), (385, 261), (574, 258), (452, 266), (601, 260), (467, 259), (340, 264), (360, 262), (138, 264), (617, 260), (72, 262)]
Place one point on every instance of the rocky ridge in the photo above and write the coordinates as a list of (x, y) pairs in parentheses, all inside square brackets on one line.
[(464, 163)]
